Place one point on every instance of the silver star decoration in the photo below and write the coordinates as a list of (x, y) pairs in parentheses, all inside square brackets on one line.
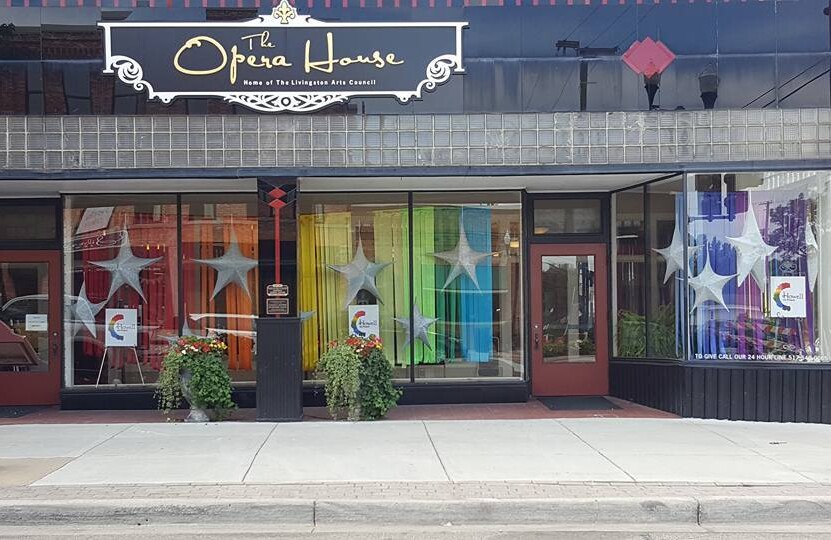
[(125, 268), (811, 255), (751, 250), (231, 267), (360, 275), (708, 286), (420, 325), (673, 254), (84, 312), (463, 258)]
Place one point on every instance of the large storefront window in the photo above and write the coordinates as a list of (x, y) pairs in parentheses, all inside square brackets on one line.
[(756, 252), (120, 254), (467, 280), (130, 291), (353, 253), (220, 257), (355, 276)]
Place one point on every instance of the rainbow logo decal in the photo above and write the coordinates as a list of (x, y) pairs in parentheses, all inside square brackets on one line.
[(111, 327), (355, 318), (777, 296)]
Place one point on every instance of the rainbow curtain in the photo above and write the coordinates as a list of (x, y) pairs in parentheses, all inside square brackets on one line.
[(464, 331)]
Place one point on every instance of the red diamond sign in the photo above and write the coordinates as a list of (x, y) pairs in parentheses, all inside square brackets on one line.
[(648, 57)]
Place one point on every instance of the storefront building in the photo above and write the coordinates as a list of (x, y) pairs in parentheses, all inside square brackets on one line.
[(535, 199)]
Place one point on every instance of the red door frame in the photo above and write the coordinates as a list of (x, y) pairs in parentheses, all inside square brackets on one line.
[(24, 388), (570, 379)]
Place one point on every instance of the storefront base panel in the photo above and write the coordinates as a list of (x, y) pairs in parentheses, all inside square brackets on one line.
[(778, 393), (414, 394)]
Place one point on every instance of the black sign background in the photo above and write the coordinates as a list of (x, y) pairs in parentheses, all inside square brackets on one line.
[(154, 48)]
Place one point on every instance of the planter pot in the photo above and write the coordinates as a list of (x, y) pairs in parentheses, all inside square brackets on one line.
[(198, 413)]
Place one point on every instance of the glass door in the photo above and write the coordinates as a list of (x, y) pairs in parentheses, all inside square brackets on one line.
[(569, 320), (29, 328)]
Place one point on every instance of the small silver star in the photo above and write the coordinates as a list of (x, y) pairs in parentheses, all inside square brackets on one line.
[(709, 286), (673, 254), (420, 325), (84, 312), (751, 250), (125, 268), (360, 275), (463, 258), (231, 267)]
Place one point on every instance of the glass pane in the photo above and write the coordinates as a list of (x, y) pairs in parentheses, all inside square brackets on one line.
[(28, 222), (353, 270), (24, 333), (757, 247), (467, 274), (630, 323), (568, 308), (567, 216), (667, 269), (120, 253), (220, 258)]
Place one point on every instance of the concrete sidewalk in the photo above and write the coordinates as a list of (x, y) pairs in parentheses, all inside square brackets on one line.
[(427, 472)]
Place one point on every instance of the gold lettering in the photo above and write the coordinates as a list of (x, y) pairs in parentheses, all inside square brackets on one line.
[(264, 40), (327, 66), (197, 42)]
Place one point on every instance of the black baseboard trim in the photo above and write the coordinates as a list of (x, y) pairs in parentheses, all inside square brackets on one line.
[(763, 393), (413, 394)]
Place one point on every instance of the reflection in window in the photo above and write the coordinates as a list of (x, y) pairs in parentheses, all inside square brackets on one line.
[(120, 253), (24, 310), (568, 309)]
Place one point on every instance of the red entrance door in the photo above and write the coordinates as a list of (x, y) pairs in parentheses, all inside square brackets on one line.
[(569, 320), (30, 359)]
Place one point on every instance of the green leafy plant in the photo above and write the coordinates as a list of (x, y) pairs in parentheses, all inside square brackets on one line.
[(195, 368), (340, 365), (376, 394), (631, 334), (358, 379)]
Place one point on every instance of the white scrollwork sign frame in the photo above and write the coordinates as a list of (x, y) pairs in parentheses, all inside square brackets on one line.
[(438, 70)]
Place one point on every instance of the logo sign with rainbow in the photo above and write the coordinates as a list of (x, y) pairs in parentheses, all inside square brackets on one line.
[(121, 328), (788, 297), (364, 321)]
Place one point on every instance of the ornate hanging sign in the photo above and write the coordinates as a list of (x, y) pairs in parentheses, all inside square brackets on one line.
[(283, 61)]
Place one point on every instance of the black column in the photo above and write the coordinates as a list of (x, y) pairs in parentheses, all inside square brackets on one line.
[(279, 369)]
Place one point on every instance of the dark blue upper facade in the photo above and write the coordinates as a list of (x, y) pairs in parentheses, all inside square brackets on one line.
[(765, 54)]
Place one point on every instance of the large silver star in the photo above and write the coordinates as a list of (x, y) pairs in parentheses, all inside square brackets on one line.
[(231, 267), (751, 250), (673, 254), (125, 268), (360, 275), (84, 312), (811, 255), (463, 258), (420, 325), (708, 286)]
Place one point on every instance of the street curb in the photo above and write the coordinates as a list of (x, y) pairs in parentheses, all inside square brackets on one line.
[(571, 511)]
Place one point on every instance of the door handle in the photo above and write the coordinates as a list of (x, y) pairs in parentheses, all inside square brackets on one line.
[(536, 340), (53, 346)]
